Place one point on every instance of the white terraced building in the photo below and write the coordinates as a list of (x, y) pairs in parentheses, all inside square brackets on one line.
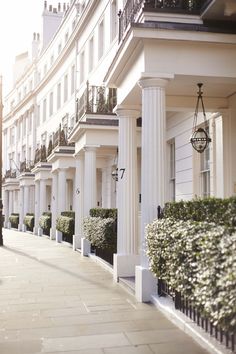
[(100, 92)]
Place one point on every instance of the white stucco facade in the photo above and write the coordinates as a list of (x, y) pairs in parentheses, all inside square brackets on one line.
[(72, 119)]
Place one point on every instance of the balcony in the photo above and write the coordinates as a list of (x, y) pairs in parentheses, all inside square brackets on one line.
[(10, 174), (133, 8), (59, 138), (26, 166), (96, 100)]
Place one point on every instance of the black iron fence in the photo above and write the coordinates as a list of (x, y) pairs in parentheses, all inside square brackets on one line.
[(96, 99), (40, 154), (187, 307)]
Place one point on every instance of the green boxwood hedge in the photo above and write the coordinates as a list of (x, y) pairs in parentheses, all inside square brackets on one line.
[(29, 221), (198, 257), (14, 220), (220, 211), (45, 222), (101, 232), (103, 213), (66, 224)]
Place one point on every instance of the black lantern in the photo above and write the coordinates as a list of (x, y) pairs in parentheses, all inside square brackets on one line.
[(200, 138), (114, 174)]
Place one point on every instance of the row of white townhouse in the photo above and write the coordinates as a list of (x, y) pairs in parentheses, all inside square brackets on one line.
[(112, 88)]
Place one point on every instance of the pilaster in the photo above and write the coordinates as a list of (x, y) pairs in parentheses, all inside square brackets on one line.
[(79, 200)]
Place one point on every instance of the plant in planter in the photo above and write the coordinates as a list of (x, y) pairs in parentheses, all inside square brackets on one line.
[(14, 220), (66, 224), (29, 221), (45, 222)]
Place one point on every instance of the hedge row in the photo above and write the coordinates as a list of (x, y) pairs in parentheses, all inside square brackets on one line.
[(29, 221), (45, 222), (220, 211), (103, 213), (66, 225), (14, 220), (198, 259), (101, 232)]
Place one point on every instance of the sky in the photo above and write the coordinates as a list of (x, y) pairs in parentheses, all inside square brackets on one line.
[(19, 19)]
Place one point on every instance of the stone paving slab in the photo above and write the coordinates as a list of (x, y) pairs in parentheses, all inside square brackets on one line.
[(53, 300)]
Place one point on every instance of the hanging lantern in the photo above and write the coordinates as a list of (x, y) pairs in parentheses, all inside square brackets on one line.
[(114, 174), (199, 138)]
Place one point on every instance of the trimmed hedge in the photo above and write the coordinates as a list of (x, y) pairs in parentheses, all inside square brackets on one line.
[(197, 257), (14, 220), (29, 221), (101, 232), (103, 213), (66, 224), (220, 211), (69, 214), (45, 222)]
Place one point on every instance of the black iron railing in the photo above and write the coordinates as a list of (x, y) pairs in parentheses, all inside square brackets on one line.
[(40, 154), (187, 307), (132, 8), (59, 138), (10, 174), (26, 166), (96, 99)]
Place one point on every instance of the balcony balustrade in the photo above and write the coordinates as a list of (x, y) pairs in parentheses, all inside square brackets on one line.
[(132, 9), (96, 100)]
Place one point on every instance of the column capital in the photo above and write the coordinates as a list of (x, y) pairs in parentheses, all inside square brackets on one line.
[(91, 148), (128, 111), (154, 82)]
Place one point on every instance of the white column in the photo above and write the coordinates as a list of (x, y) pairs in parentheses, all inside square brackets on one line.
[(36, 207), (26, 200), (90, 180), (153, 179), (21, 203), (10, 202), (54, 202), (43, 199), (61, 191), (106, 187), (6, 207), (127, 195), (79, 200)]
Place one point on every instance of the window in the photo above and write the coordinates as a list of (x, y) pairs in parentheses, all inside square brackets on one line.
[(66, 37), (65, 88), (172, 170), (114, 12), (30, 122), (58, 95), (205, 170), (38, 117), (44, 109), (81, 67), (91, 54), (52, 59), (31, 85), (19, 96), (51, 104), (59, 48), (12, 136), (72, 79), (45, 69), (100, 40)]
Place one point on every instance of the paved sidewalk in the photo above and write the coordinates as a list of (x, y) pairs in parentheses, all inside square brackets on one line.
[(52, 300)]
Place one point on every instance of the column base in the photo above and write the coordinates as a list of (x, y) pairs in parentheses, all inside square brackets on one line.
[(5, 224), (76, 242), (22, 227), (52, 234), (35, 230), (40, 231), (124, 265), (58, 236), (85, 247), (145, 284)]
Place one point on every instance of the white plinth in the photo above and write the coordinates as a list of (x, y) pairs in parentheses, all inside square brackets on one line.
[(40, 231), (85, 247), (52, 234), (76, 242), (124, 265), (35, 231), (58, 236), (145, 284), (23, 228)]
